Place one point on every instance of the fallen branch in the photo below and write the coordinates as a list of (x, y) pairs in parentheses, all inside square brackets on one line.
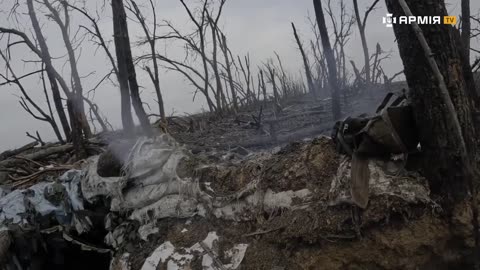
[(29, 160), (11, 153), (263, 232), (41, 154), (26, 179), (15, 171)]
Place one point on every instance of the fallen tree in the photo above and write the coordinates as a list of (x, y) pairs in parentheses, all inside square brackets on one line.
[(40, 154)]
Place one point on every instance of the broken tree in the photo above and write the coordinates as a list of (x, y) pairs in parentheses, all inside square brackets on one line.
[(444, 165), (332, 67), (128, 82), (308, 72), (150, 39), (442, 109), (361, 27)]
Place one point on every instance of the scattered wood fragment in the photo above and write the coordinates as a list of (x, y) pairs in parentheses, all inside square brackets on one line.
[(263, 232)]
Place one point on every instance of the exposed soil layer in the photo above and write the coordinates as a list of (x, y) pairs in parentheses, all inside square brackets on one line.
[(391, 233), (425, 242)]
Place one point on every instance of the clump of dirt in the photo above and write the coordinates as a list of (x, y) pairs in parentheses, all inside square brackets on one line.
[(261, 255), (323, 158), (302, 165), (297, 166), (187, 234), (226, 179)]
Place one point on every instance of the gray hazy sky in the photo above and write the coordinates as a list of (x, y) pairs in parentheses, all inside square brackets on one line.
[(258, 27)]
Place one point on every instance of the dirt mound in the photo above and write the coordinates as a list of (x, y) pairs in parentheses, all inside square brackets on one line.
[(302, 165), (316, 230)]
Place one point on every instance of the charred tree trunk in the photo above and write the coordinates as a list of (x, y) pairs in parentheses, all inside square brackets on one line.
[(201, 33), (47, 59), (332, 68), (247, 77), (135, 92), (77, 94), (121, 38), (95, 110), (78, 139), (228, 67), (465, 40), (376, 63), (308, 72), (264, 89), (132, 76), (154, 76), (447, 170), (361, 29), (466, 29), (274, 86), (219, 91), (126, 109), (282, 76)]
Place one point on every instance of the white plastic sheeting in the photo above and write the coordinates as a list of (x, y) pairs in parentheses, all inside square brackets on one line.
[(18, 205), (269, 201), (180, 258), (94, 186), (386, 178), (152, 189), (150, 176)]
